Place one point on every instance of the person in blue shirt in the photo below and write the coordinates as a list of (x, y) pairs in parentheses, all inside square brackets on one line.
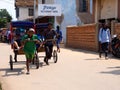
[(104, 39), (59, 37)]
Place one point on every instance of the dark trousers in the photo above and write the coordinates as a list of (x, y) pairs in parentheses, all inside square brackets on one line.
[(15, 55), (104, 48), (48, 49)]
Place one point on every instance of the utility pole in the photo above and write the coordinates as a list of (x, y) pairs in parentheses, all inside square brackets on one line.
[(34, 11)]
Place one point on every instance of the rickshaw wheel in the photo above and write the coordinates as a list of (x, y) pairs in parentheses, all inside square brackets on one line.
[(55, 56), (11, 62)]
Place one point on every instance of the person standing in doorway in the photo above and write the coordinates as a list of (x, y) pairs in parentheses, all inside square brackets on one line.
[(104, 40)]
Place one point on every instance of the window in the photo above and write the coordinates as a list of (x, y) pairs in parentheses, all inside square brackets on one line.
[(83, 6), (43, 1), (30, 12)]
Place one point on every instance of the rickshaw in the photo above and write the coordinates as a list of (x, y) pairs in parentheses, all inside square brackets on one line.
[(20, 28), (40, 27)]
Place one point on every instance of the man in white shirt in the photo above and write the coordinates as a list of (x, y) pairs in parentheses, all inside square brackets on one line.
[(104, 39)]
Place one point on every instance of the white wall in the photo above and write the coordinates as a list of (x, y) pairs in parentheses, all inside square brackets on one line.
[(91, 6), (23, 13), (69, 12), (70, 16)]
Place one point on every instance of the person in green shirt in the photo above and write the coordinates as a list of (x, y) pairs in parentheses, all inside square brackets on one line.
[(29, 46)]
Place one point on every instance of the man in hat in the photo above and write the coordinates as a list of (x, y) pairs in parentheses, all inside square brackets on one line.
[(29, 46)]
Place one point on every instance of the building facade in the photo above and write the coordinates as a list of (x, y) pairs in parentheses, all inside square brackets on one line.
[(106, 10), (74, 13), (25, 10), (84, 10), (86, 36)]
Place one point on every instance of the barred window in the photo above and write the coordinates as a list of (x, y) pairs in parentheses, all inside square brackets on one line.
[(83, 6), (30, 12)]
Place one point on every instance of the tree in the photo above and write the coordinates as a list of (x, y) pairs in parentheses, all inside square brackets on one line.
[(4, 17)]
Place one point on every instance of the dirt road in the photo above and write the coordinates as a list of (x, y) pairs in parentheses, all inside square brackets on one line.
[(75, 70)]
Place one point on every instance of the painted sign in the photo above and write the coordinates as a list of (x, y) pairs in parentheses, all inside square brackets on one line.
[(49, 10)]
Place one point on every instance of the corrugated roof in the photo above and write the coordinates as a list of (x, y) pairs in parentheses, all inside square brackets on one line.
[(25, 3)]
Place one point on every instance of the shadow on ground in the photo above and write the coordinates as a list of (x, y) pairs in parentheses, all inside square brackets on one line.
[(115, 70), (81, 50), (8, 72), (93, 52)]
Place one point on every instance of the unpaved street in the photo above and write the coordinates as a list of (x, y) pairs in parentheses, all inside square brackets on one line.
[(75, 70)]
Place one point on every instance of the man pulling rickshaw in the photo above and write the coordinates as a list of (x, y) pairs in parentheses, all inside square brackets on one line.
[(29, 46)]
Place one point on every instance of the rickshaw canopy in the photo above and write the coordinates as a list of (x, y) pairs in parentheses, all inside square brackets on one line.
[(22, 24)]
